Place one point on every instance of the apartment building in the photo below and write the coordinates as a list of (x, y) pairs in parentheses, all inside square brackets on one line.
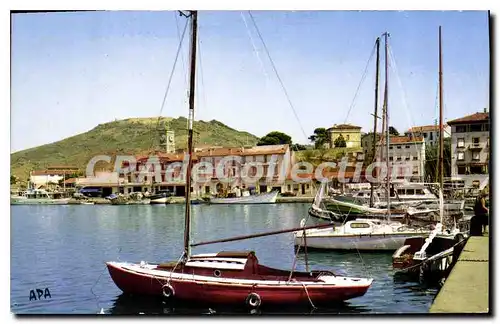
[(470, 149), (236, 166), (430, 133), (406, 157)]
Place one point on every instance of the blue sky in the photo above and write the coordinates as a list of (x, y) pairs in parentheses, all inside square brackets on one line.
[(73, 71)]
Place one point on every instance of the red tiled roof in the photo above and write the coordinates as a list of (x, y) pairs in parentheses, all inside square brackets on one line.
[(477, 117), (222, 151), (265, 149), (49, 172), (256, 150), (345, 126), (165, 157), (60, 167), (427, 128), (404, 139)]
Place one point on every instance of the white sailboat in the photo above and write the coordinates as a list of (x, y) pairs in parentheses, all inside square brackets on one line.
[(432, 256), (264, 198), (364, 234)]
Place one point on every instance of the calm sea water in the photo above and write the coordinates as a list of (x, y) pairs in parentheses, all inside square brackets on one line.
[(61, 250)]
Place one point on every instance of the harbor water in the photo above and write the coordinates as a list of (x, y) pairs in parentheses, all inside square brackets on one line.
[(58, 256)]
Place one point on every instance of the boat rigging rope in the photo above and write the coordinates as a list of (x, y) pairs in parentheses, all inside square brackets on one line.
[(254, 46), (360, 83), (393, 65), (277, 75), (179, 47)]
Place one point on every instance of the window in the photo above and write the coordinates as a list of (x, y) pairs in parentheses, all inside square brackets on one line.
[(419, 191), (461, 129), (425, 135), (347, 137), (390, 147), (476, 170), (360, 225), (431, 136), (399, 146), (486, 127), (415, 158), (461, 156), (475, 156), (407, 146), (410, 191), (390, 158), (476, 128), (408, 158), (399, 158), (461, 142), (475, 140)]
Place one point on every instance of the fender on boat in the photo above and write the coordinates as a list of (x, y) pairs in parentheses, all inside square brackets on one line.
[(253, 300), (168, 291)]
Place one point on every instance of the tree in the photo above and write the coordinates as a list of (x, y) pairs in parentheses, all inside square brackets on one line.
[(320, 137), (275, 138), (432, 160), (393, 131), (298, 147), (340, 141), (13, 179)]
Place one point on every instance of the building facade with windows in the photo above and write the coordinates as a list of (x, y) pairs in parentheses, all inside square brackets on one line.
[(350, 133), (430, 133), (406, 157), (470, 149)]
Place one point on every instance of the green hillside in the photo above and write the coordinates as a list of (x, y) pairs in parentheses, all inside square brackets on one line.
[(128, 136)]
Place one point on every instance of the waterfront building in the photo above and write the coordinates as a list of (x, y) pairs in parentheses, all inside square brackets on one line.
[(430, 133), (470, 149), (406, 157), (51, 176)]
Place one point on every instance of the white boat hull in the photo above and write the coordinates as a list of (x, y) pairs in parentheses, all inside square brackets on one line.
[(266, 198), (363, 242), (162, 200), (38, 201)]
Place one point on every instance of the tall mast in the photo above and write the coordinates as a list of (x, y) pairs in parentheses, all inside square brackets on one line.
[(386, 104), (192, 80), (441, 139), (374, 147)]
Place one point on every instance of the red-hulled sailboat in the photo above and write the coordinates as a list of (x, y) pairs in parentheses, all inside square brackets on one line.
[(229, 278)]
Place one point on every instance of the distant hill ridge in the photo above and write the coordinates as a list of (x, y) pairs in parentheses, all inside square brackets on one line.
[(127, 136)]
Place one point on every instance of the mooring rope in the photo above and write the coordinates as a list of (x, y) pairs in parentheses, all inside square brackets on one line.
[(308, 297), (92, 291)]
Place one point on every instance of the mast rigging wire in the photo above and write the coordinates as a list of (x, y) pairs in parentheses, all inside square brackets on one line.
[(254, 46), (169, 82), (360, 83), (277, 75)]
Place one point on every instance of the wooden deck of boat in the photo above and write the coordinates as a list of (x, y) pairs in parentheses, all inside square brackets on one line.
[(466, 290)]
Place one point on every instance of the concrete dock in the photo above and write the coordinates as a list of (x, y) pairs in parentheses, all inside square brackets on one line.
[(466, 289)]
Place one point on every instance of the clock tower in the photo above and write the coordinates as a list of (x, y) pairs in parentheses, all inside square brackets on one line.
[(170, 145), (167, 138)]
